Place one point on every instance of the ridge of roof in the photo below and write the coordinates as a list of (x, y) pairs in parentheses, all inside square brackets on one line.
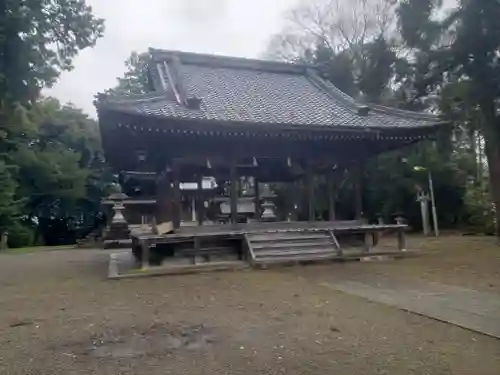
[(221, 61), (404, 113), (153, 96)]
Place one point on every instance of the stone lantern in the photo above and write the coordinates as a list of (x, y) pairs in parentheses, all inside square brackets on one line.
[(268, 206), (118, 229)]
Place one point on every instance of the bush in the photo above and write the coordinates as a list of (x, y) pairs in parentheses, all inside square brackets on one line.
[(480, 215), (21, 235)]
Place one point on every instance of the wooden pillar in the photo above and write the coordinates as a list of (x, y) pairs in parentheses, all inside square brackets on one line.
[(295, 200), (201, 200), (358, 190), (163, 209), (401, 239), (144, 254), (310, 190), (234, 191), (258, 210), (177, 208), (331, 194)]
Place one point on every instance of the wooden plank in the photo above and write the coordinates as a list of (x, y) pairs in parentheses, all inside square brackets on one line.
[(323, 242), (304, 251), (336, 243), (249, 247)]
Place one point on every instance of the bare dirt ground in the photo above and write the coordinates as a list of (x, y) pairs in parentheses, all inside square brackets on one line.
[(59, 315)]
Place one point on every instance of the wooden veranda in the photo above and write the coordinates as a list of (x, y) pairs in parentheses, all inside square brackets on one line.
[(260, 244)]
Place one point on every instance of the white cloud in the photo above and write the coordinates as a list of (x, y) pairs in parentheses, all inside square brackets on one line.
[(228, 27)]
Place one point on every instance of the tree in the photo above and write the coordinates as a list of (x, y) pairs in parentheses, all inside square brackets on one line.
[(337, 24), (461, 46), (136, 79), (38, 40), (9, 207), (60, 171), (352, 43), (367, 59)]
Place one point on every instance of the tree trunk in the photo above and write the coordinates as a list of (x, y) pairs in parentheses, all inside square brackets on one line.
[(480, 158), (473, 151), (493, 156), (492, 140)]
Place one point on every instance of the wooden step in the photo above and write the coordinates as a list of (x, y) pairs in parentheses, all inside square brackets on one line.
[(273, 237), (294, 252), (324, 242), (296, 258)]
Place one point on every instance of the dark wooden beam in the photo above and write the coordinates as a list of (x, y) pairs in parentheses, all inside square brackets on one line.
[(163, 198), (258, 211), (310, 191), (295, 200), (177, 208), (234, 191), (200, 200), (358, 190), (331, 194)]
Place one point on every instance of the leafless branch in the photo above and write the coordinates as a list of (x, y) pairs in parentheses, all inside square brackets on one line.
[(338, 24)]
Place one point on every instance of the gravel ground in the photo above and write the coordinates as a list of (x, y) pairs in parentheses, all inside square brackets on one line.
[(60, 316), (466, 261)]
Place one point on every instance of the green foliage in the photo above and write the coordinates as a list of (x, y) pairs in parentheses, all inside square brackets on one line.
[(51, 165), (57, 176), (136, 78), (444, 61), (49, 154), (336, 68), (392, 181), (377, 69), (479, 211), (9, 206), (38, 40), (61, 172), (21, 235), (461, 51)]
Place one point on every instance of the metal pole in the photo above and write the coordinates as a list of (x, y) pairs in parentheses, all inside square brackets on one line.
[(433, 203)]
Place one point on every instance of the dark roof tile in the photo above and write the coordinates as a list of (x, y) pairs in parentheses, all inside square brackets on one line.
[(241, 90)]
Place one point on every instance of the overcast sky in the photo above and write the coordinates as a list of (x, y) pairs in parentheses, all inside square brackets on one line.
[(228, 27)]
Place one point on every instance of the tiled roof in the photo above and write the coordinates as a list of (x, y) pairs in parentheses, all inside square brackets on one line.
[(253, 91)]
